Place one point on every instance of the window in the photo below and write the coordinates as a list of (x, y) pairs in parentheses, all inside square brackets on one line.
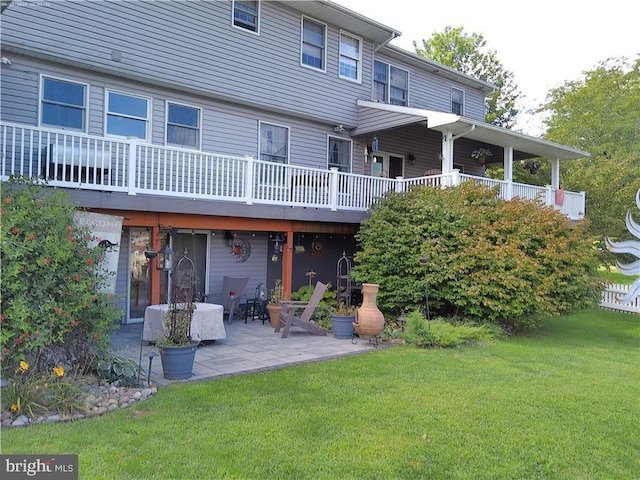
[(390, 84), (246, 15), (183, 125), (350, 57), (63, 103), (457, 101), (274, 143), (340, 154), (313, 44), (127, 115)]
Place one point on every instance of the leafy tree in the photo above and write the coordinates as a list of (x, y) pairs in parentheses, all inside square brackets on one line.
[(599, 114), (487, 259), (52, 311), (467, 54)]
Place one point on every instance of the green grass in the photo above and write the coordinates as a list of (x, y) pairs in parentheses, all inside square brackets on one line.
[(612, 275), (558, 403)]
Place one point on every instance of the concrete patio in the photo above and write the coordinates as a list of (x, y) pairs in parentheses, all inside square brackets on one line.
[(250, 347)]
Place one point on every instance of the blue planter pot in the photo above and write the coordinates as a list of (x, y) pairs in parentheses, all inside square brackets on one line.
[(342, 326), (177, 362)]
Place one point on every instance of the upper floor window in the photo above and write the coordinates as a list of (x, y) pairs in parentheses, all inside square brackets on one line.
[(390, 84), (274, 143), (63, 103), (246, 15), (127, 115), (183, 125), (340, 154), (457, 101), (314, 40), (350, 57)]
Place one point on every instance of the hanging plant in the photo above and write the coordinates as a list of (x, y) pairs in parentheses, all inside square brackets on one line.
[(481, 154), (533, 167)]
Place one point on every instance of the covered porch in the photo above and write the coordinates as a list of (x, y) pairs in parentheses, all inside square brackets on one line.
[(130, 168)]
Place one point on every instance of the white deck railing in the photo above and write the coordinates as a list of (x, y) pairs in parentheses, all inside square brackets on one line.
[(97, 163)]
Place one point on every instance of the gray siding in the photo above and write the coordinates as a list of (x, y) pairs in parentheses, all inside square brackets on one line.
[(193, 46), (432, 92)]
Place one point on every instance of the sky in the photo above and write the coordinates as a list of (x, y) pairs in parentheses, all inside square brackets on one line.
[(544, 43)]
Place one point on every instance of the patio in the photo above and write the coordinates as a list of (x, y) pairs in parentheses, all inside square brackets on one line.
[(250, 347)]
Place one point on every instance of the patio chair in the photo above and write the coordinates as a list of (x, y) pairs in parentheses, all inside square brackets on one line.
[(288, 316), (229, 302)]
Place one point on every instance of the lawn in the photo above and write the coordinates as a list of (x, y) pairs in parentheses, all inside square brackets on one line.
[(558, 403)]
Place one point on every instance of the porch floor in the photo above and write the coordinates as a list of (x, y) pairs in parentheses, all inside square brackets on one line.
[(250, 347)]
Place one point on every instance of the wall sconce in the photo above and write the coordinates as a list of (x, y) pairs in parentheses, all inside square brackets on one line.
[(165, 255), (278, 241), (229, 236), (412, 158)]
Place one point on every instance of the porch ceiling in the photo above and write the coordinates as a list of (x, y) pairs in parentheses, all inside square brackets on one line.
[(375, 117)]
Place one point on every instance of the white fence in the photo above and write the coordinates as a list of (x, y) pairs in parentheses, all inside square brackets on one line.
[(610, 299)]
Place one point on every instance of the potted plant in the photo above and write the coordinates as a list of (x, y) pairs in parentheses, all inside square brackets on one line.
[(481, 154), (533, 167), (342, 319), (274, 307), (177, 349)]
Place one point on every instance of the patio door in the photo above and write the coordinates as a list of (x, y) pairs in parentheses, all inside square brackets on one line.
[(387, 165), (195, 243), (139, 291)]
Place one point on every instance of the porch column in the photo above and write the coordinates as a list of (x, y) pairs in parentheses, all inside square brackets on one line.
[(447, 152), (508, 171), (555, 173), (156, 244), (287, 265)]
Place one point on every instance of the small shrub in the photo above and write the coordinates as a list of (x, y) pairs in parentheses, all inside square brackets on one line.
[(444, 334), (118, 368)]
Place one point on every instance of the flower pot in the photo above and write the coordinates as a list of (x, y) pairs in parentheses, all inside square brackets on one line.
[(274, 314), (369, 319), (342, 326), (177, 361)]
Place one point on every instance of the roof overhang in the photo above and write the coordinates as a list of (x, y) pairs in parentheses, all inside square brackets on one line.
[(375, 117)]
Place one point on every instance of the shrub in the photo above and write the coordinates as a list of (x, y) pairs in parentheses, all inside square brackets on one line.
[(445, 334), (487, 259), (52, 310)]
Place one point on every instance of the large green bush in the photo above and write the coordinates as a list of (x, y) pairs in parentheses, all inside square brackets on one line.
[(52, 311), (487, 259)]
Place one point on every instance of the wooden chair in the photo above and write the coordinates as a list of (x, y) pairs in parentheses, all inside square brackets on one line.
[(288, 318)]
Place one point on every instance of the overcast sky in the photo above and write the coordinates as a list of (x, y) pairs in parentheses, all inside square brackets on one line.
[(543, 43)]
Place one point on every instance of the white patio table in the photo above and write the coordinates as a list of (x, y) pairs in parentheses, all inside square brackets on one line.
[(206, 324)]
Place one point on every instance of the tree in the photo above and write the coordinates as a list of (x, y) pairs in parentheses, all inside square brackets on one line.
[(599, 114), (488, 259), (467, 54)]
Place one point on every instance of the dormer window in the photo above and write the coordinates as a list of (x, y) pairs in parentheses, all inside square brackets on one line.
[(457, 101), (246, 15)]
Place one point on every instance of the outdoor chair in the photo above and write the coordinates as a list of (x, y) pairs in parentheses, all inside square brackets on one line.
[(230, 302), (288, 317)]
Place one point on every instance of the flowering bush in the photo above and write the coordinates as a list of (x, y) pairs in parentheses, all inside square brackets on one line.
[(50, 285)]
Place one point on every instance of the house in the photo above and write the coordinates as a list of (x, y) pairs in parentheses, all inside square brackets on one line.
[(253, 134)]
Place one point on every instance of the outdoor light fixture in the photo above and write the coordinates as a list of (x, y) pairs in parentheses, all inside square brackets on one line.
[(278, 241), (412, 158), (165, 255)]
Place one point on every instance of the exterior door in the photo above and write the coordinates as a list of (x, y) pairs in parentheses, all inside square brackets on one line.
[(387, 165), (139, 286)]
